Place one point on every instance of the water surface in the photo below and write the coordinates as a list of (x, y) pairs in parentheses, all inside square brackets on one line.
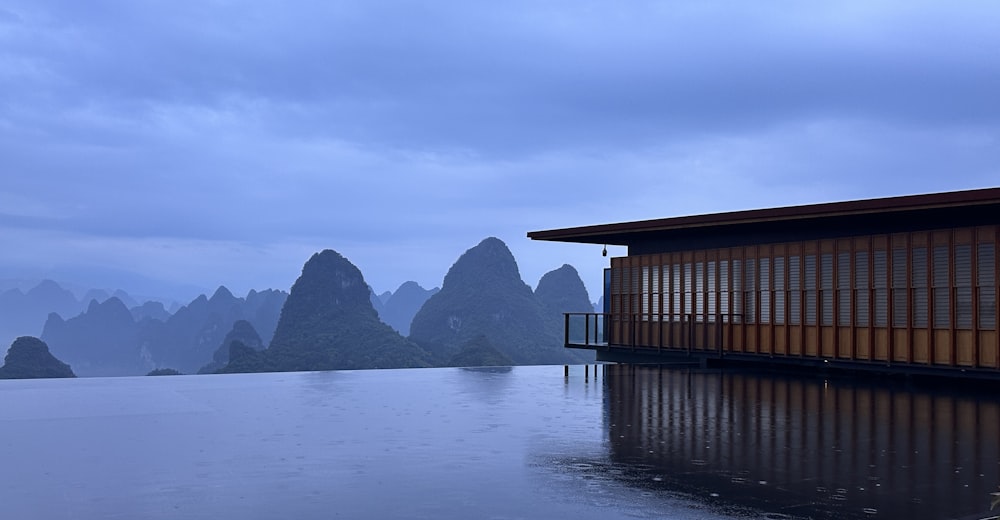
[(523, 442), (808, 447)]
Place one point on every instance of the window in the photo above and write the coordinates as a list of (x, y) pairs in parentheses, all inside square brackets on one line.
[(963, 286), (844, 289), (765, 290), (899, 288), (750, 291), (712, 291), (779, 290), (616, 292), (655, 292), (724, 290), (810, 289), (918, 280), (666, 291), (645, 294), (880, 282), (676, 312), (826, 288), (737, 291), (634, 309), (699, 291), (861, 288), (688, 286), (941, 289), (794, 291), (986, 283), (606, 293)]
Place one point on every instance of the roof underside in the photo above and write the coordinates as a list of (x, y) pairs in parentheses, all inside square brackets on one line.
[(873, 216)]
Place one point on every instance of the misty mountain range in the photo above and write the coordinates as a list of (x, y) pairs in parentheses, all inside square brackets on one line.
[(108, 339), (23, 312), (484, 314)]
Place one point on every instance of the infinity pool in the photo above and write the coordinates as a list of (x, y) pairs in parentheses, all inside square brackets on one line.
[(523, 442)]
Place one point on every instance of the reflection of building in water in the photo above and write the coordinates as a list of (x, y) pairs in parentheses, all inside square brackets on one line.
[(806, 447), (902, 283)]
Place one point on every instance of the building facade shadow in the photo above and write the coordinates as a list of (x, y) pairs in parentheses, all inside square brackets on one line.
[(804, 447)]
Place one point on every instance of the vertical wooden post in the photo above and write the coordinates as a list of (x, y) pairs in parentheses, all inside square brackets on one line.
[(565, 329)]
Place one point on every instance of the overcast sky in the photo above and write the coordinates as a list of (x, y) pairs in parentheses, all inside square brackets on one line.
[(168, 147)]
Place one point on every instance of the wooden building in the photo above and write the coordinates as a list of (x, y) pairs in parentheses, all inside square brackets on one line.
[(908, 282)]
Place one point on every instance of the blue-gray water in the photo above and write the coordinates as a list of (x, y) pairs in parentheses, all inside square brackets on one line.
[(506, 443)]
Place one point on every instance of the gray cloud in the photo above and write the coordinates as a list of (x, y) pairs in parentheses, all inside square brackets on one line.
[(446, 76), (268, 129)]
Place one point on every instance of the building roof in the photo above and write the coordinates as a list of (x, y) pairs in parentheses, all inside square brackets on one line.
[(901, 208)]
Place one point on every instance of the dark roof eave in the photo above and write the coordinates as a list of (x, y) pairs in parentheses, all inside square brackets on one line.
[(621, 233)]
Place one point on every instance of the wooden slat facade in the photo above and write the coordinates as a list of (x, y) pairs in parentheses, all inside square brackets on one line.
[(916, 298)]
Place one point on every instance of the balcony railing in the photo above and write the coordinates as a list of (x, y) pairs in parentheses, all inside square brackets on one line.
[(586, 329), (592, 330)]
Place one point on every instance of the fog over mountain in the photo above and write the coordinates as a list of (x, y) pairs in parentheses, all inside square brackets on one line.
[(377, 300), (401, 306), (24, 312), (108, 339), (491, 317), (151, 310), (105, 340)]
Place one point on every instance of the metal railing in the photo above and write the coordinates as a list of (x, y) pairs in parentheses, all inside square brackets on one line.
[(586, 329), (671, 331)]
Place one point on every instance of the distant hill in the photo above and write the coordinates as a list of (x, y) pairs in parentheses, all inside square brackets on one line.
[(24, 313), (403, 305), (125, 298), (242, 332), (103, 341), (94, 294), (263, 309), (189, 338), (562, 290), (328, 322), (376, 300), (150, 310), (110, 340), (484, 314), (483, 295), (29, 358)]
